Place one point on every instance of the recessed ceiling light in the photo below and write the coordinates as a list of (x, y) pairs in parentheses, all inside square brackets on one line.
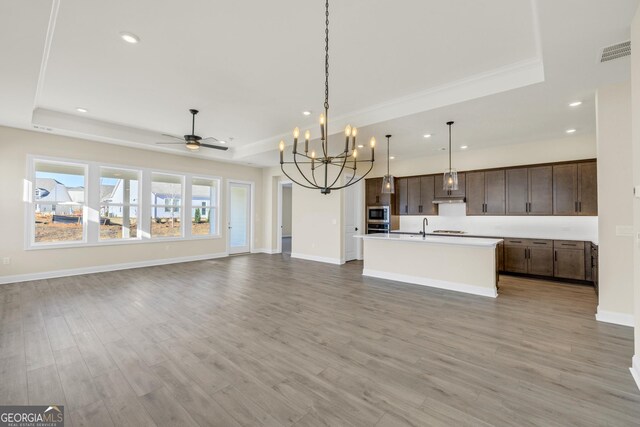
[(575, 104), (571, 131), (464, 147), (426, 135), (82, 110), (360, 146), (222, 142), (306, 113), (130, 38), (392, 158)]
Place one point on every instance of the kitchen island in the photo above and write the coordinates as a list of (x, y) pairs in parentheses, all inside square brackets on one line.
[(463, 264)]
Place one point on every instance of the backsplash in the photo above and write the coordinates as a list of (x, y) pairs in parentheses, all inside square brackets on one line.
[(453, 217)]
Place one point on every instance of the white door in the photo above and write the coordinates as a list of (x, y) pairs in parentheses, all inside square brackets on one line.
[(239, 217), (350, 223)]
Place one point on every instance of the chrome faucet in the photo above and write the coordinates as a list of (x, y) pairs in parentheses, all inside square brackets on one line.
[(425, 223)]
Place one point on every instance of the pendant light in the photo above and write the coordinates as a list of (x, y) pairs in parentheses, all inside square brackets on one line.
[(388, 181), (450, 178)]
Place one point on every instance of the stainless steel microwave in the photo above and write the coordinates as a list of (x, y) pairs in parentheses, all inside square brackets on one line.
[(378, 214)]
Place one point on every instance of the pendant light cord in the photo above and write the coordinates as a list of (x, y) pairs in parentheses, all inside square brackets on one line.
[(449, 123), (388, 158)]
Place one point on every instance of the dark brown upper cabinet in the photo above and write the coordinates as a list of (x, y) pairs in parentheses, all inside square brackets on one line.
[(575, 189), (529, 191), (374, 196), (427, 194), (485, 193), (414, 196), (441, 193), (402, 200)]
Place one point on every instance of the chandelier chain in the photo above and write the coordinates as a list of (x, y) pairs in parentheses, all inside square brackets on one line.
[(326, 58)]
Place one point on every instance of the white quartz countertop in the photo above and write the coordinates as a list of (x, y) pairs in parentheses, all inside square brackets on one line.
[(438, 240)]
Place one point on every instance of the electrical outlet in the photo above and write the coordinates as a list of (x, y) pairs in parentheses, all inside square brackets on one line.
[(6, 260)]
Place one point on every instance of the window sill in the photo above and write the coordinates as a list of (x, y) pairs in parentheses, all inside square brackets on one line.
[(117, 242)]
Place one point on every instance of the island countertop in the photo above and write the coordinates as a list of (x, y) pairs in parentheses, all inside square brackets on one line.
[(440, 240)]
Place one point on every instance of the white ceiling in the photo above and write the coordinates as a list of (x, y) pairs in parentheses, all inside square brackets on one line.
[(504, 70)]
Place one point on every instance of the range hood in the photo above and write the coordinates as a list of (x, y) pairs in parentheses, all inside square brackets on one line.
[(451, 199)]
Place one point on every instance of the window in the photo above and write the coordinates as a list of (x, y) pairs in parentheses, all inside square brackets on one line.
[(166, 201), (57, 202), (73, 203), (119, 203), (204, 206)]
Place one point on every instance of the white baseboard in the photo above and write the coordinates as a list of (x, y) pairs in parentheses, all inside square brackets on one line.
[(103, 268), (326, 260), (615, 317), (440, 284), (264, 251), (635, 369)]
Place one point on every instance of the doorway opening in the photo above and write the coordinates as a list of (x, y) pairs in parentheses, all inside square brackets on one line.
[(285, 217)]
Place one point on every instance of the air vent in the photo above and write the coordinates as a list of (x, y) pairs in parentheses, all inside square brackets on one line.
[(616, 51)]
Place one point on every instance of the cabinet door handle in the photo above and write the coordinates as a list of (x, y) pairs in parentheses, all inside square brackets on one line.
[(406, 208), (579, 206), (377, 199), (555, 255), (420, 208), (576, 207)]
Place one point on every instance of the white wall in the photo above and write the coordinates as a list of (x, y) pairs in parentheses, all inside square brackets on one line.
[(16, 144), (317, 225), (635, 87), (453, 217), (615, 202), (286, 210)]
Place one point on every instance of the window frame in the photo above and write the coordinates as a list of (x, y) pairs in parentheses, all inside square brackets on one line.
[(30, 200), (215, 206), (138, 173), (163, 206), (92, 205)]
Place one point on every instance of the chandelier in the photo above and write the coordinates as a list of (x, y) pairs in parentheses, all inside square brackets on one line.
[(323, 170)]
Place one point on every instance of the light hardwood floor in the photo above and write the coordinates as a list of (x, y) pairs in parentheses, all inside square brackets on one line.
[(265, 340)]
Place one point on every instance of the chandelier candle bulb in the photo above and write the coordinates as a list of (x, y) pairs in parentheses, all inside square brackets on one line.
[(281, 151), (354, 132), (322, 126), (347, 134), (307, 136), (296, 134), (373, 148)]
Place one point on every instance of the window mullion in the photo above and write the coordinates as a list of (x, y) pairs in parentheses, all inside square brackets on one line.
[(186, 203), (92, 204), (144, 211)]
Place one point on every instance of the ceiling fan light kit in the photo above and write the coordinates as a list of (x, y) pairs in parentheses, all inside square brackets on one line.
[(348, 159)]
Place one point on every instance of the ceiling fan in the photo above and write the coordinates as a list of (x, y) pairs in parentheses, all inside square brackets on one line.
[(193, 141)]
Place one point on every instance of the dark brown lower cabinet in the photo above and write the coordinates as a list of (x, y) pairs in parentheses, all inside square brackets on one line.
[(500, 256), (529, 256), (515, 259), (568, 257), (540, 261)]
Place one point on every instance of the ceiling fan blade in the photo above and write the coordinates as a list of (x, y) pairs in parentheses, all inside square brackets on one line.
[(210, 137), (217, 147), (171, 143), (173, 136)]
